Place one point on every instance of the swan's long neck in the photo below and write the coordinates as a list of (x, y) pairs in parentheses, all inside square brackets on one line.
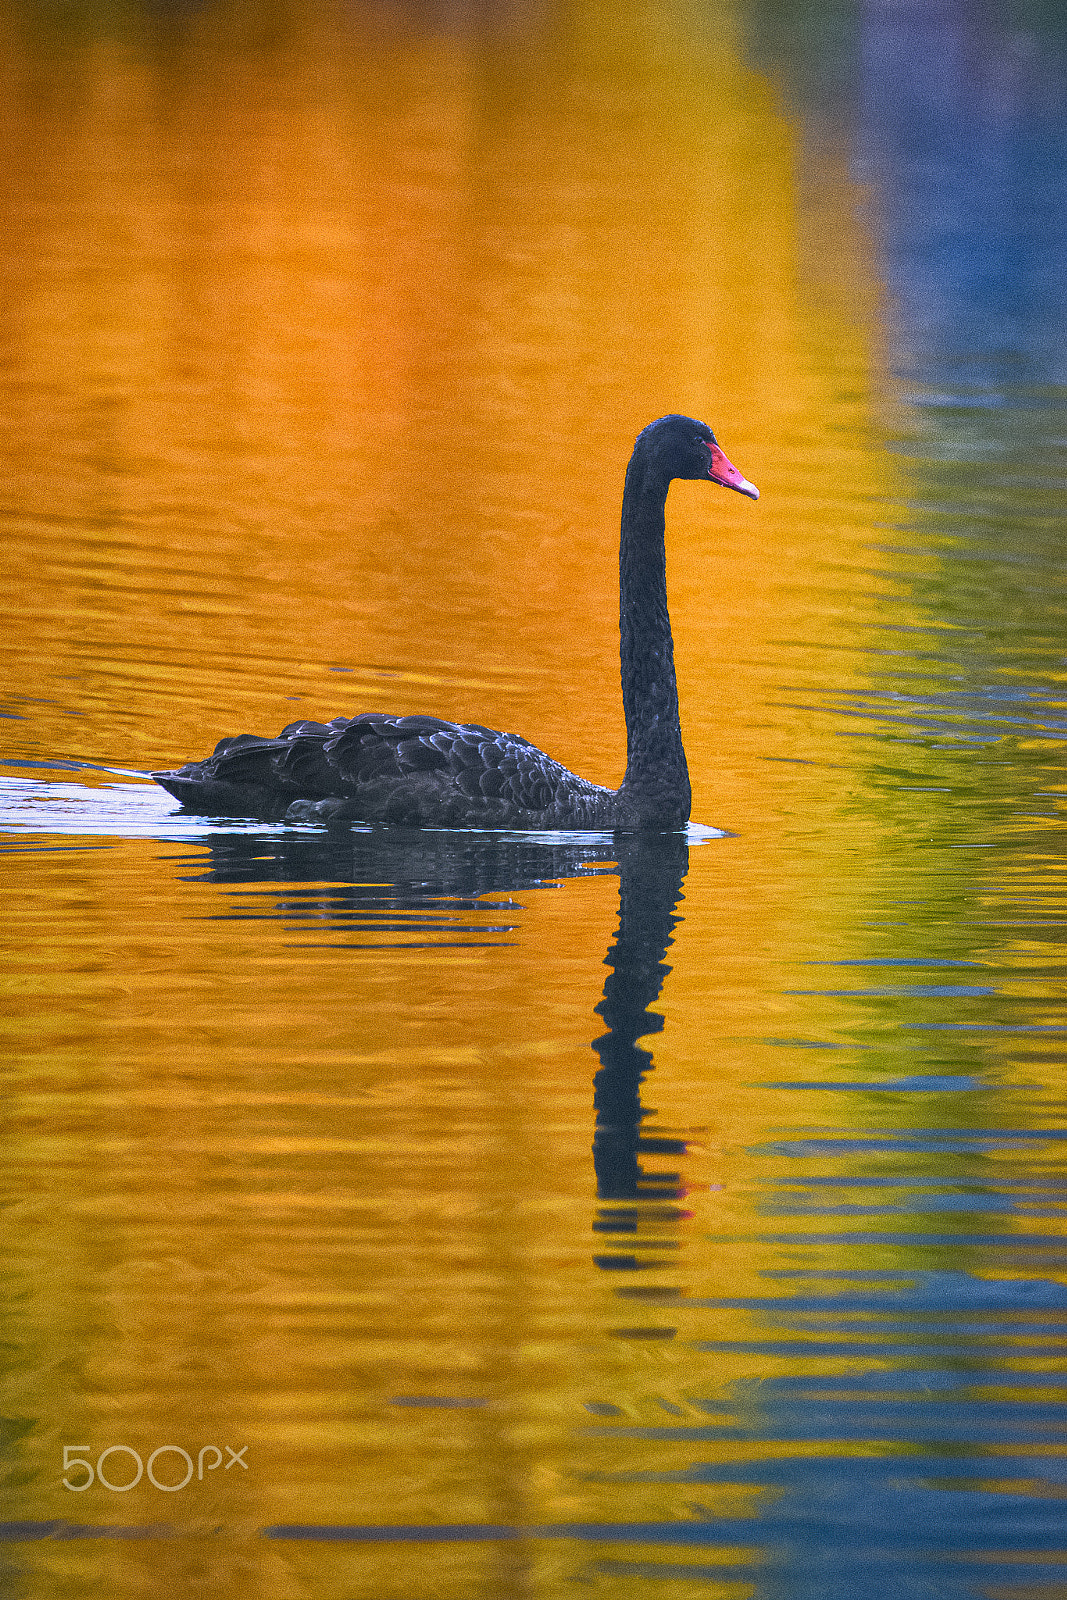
[(656, 785)]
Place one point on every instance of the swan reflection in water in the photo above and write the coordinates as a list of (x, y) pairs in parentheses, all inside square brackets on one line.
[(423, 885), (651, 871)]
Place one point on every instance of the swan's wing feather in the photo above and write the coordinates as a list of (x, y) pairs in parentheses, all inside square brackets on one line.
[(394, 769), (317, 729), (266, 773), (303, 766), (244, 757), (474, 761)]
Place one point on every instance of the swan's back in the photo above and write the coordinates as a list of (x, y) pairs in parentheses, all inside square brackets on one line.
[(418, 771)]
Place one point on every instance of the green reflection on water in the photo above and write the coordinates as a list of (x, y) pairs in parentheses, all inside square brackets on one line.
[(330, 334)]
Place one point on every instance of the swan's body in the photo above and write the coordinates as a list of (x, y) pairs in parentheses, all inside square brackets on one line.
[(421, 771)]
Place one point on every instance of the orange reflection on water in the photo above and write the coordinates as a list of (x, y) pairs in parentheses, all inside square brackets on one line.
[(325, 348), (339, 340)]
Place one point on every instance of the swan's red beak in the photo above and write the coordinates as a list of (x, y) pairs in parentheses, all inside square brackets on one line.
[(724, 472)]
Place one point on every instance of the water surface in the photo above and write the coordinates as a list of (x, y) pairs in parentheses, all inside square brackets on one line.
[(488, 1215)]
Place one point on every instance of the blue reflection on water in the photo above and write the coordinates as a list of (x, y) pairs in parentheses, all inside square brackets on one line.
[(935, 1463), (962, 113)]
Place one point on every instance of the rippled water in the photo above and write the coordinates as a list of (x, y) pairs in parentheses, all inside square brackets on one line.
[(391, 1215)]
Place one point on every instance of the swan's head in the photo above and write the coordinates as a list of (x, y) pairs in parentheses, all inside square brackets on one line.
[(685, 448)]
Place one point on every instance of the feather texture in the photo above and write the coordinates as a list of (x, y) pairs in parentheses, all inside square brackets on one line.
[(419, 771)]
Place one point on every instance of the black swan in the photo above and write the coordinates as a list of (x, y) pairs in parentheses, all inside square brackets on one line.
[(423, 772)]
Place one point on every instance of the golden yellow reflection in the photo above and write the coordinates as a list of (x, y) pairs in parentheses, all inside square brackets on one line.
[(327, 337)]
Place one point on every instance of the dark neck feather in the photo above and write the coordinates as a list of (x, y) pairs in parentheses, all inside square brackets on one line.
[(656, 786)]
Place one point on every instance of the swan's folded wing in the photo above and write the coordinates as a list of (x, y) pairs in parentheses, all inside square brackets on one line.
[(246, 773), (473, 761), (380, 768)]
